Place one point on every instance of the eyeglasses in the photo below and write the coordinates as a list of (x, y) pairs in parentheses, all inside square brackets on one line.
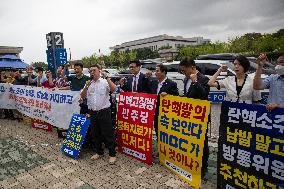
[(182, 71), (131, 67)]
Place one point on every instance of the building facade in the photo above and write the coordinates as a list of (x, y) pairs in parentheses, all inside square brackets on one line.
[(4, 50), (159, 42)]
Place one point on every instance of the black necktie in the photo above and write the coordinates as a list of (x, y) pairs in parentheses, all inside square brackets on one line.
[(134, 85)]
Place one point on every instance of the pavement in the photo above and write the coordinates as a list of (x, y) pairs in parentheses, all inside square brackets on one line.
[(31, 158)]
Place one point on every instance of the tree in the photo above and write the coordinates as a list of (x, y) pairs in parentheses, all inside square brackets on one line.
[(88, 61), (146, 53)]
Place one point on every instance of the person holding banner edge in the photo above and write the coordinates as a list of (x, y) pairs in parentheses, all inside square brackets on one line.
[(195, 86), (275, 82), (162, 86), (97, 92)]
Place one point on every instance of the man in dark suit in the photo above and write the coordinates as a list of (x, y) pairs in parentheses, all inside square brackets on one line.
[(195, 86), (162, 86), (138, 82)]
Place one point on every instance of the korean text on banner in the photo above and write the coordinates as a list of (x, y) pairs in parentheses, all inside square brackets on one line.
[(55, 107), (134, 124), (251, 147), (75, 136), (182, 128)]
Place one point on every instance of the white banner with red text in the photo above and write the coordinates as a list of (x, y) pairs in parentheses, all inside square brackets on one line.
[(52, 106)]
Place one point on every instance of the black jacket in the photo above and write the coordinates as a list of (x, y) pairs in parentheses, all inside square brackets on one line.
[(142, 85), (198, 90), (169, 86)]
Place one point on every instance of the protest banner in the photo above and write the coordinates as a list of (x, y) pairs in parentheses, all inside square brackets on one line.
[(38, 124), (134, 125), (75, 135), (251, 147), (55, 107), (182, 127)]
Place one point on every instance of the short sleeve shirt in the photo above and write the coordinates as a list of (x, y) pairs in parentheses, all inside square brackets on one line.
[(275, 84), (77, 84), (98, 95)]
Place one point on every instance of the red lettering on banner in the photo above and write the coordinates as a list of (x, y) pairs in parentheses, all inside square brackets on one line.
[(166, 105), (200, 110), (134, 125)]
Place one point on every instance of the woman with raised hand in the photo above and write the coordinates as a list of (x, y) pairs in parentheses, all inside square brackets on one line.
[(239, 87)]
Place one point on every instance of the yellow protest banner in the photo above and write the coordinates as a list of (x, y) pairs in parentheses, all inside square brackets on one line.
[(182, 127)]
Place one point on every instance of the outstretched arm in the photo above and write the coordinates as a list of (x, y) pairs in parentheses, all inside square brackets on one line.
[(257, 82), (212, 82)]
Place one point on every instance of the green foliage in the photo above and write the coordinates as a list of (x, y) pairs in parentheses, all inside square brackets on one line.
[(194, 51), (115, 59), (165, 47), (88, 61), (250, 44), (146, 53)]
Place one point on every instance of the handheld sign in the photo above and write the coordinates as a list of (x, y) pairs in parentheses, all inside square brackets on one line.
[(250, 147), (75, 136), (134, 125)]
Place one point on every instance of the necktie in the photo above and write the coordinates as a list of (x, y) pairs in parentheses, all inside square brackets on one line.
[(134, 88)]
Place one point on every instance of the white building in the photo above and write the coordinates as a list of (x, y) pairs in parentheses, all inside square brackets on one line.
[(156, 42)]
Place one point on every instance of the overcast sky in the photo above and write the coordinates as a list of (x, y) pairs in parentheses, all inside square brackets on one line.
[(89, 25)]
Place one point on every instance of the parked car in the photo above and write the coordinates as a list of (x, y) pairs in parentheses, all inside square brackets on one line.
[(208, 68), (85, 71), (111, 71), (150, 64), (268, 68)]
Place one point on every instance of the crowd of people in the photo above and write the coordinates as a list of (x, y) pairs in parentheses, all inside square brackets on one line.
[(95, 92)]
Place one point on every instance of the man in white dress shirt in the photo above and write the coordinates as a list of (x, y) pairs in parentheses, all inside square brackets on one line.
[(98, 100)]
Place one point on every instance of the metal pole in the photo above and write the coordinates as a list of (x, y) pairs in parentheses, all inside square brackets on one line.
[(54, 53)]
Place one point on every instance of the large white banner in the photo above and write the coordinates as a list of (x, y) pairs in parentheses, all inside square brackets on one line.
[(53, 106)]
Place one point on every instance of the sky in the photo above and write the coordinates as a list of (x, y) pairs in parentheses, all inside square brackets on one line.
[(90, 25)]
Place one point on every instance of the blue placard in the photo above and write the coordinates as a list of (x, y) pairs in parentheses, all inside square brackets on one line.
[(75, 136), (251, 145), (60, 57), (217, 96)]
